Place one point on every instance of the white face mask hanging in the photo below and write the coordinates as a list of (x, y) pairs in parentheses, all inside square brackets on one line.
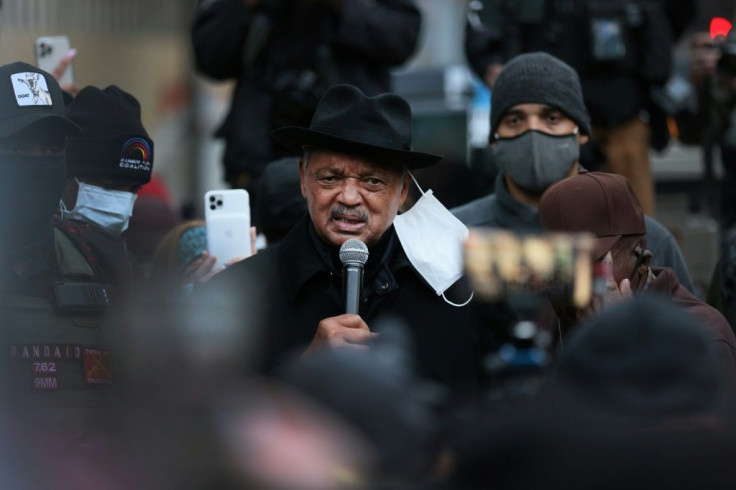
[(432, 238), (108, 209)]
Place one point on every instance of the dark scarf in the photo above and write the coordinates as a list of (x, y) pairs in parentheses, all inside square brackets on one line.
[(380, 256)]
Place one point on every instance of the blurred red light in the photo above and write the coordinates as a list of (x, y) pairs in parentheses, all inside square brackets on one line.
[(719, 27)]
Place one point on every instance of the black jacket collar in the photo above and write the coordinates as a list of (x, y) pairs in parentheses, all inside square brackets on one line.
[(304, 256)]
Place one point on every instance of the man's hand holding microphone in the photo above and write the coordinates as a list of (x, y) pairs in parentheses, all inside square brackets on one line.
[(347, 330)]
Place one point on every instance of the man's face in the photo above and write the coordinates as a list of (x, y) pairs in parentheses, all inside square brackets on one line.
[(539, 117), (625, 260), (350, 196)]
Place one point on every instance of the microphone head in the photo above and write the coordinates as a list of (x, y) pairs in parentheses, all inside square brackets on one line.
[(353, 252)]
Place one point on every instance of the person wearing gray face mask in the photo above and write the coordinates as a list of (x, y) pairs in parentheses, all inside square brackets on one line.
[(538, 124), (535, 160)]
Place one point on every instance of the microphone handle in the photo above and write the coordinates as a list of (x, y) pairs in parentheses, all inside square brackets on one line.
[(352, 288)]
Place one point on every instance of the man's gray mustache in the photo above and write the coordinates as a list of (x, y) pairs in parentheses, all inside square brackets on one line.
[(345, 212)]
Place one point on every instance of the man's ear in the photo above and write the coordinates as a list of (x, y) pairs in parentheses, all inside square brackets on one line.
[(582, 139), (405, 186)]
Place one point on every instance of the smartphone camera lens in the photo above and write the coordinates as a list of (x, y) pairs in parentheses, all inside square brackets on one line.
[(212, 207), (219, 203), (212, 198)]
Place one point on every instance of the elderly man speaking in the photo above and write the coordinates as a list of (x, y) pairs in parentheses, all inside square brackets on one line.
[(355, 175)]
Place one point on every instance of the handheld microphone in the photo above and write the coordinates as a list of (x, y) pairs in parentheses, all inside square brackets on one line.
[(353, 255)]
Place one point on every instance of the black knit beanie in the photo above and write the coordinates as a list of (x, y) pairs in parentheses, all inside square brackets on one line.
[(114, 144), (538, 78)]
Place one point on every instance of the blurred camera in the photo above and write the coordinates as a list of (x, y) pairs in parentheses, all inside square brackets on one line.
[(501, 264)]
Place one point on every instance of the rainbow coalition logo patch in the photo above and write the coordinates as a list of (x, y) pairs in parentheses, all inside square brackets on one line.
[(136, 155)]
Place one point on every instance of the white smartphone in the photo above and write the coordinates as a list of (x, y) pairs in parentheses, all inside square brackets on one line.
[(50, 50), (227, 216)]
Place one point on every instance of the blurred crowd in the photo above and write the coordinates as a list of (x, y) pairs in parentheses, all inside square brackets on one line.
[(395, 323)]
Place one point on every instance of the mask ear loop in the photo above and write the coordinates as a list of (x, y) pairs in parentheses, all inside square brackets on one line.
[(63, 209), (415, 182), (458, 305), (62, 206)]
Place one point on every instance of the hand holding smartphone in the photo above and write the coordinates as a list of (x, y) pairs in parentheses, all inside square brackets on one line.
[(54, 54), (227, 218)]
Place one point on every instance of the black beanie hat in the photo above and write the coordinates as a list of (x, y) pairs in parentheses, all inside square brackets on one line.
[(538, 78), (114, 144)]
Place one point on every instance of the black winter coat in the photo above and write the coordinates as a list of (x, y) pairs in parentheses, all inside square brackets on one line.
[(615, 91), (285, 291)]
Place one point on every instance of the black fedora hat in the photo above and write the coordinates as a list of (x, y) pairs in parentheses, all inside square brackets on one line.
[(348, 120)]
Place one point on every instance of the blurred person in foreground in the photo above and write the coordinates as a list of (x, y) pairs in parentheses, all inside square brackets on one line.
[(616, 363), (106, 166), (284, 55), (355, 175), (637, 393), (538, 124), (191, 412), (606, 206), (376, 391)]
